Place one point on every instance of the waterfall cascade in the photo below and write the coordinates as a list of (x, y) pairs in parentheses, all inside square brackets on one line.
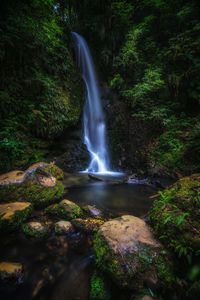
[(93, 118)]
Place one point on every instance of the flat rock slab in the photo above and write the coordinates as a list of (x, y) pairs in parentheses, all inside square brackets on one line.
[(127, 233), (8, 210), (110, 178), (10, 270), (12, 177), (75, 180)]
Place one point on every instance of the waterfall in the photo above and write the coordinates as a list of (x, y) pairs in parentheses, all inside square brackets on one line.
[(93, 117)]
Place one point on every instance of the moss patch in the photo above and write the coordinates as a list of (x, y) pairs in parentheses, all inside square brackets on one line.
[(54, 170), (67, 212), (97, 287), (33, 192)]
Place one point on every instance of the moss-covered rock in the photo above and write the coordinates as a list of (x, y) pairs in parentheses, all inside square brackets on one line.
[(36, 185), (12, 215), (54, 171), (125, 249), (34, 229), (63, 227), (65, 209), (175, 217)]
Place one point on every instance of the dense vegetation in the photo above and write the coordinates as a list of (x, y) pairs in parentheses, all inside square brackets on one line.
[(39, 86), (148, 52), (147, 57)]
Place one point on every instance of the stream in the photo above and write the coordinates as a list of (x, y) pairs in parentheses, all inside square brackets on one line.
[(60, 267)]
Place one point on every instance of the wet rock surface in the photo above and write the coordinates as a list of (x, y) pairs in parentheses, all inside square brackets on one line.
[(63, 227), (126, 249)]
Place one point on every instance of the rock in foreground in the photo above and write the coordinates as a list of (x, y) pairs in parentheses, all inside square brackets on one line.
[(127, 250), (13, 214), (10, 270)]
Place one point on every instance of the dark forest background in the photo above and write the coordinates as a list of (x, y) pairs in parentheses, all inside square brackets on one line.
[(147, 57)]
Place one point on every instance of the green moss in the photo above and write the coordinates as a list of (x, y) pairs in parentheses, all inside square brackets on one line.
[(97, 287), (15, 222), (76, 212), (55, 171), (105, 260), (31, 232), (59, 211), (56, 210), (164, 269), (33, 192), (160, 261)]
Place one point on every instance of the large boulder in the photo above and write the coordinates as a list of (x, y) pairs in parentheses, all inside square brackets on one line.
[(13, 214), (36, 185), (175, 216), (127, 250), (65, 209)]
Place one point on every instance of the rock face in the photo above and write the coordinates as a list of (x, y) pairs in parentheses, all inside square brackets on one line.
[(176, 213), (34, 229), (13, 214), (65, 209), (127, 250), (10, 270), (36, 185), (63, 227)]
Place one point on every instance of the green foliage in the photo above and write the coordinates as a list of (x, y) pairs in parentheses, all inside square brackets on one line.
[(39, 86), (149, 53), (175, 218), (178, 145)]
